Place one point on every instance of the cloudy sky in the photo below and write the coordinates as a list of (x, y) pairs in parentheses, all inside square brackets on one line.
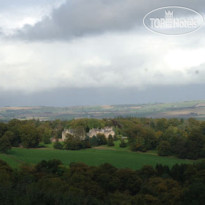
[(88, 52)]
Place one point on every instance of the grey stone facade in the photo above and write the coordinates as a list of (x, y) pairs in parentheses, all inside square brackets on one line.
[(106, 131), (93, 132)]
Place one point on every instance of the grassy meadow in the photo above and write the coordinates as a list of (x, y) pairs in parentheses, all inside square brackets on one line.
[(118, 157)]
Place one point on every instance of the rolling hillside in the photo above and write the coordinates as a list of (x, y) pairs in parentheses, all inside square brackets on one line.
[(186, 109)]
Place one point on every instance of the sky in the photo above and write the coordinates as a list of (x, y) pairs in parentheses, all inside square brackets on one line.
[(96, 52)]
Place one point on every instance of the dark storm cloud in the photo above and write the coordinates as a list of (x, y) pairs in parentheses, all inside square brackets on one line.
[(86, 17), (104, 69), (102, 96)]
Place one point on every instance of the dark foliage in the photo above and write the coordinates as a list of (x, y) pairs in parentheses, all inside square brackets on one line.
[(49, 182), (110, 141), (57, 145), (123, 143), (181, 138)]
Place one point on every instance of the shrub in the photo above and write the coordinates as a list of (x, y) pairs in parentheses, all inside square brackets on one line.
[(123, 143), (57, 145)]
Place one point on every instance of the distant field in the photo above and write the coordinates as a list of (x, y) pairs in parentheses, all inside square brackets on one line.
[(119, 158), (187, 109)]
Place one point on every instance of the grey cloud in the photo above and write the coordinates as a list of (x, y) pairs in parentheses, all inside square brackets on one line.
[(102, 96), (12, 4), (197, 73), (85, 17)]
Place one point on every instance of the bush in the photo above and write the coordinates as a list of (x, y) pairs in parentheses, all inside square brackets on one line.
[(73, 143), (57, 145), (123, 143)]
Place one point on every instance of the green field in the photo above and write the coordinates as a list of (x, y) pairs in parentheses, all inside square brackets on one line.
[(117, 157)]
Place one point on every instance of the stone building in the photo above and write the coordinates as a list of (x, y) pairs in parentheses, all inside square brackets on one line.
[(106, 131), (80, 132)]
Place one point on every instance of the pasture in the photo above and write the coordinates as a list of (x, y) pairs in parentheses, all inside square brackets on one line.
[(120, 158)]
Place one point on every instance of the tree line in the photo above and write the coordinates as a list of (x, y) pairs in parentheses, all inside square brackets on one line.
[(177, 137), (50, 182), (28, 133), (181, 138)]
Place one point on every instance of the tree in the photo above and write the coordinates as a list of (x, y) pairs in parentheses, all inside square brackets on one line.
[(150, 140), (29, 136), (110, 141), (11, 137), (101, 139), (5, 145), (195, 193), (15, 127), (178, 147), (86, 142), (94, 141), (167, 190), (138, 144), (50, 166), (3, 128), (195, 144), (57, 145), (45, 133), (162, 124), (73, 143), (164, 148)]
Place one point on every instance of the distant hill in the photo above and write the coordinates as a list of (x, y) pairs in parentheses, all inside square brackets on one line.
[(185, 109)]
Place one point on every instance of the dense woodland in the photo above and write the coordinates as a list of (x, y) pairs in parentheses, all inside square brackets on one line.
[(177, 137), (49, 182)]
